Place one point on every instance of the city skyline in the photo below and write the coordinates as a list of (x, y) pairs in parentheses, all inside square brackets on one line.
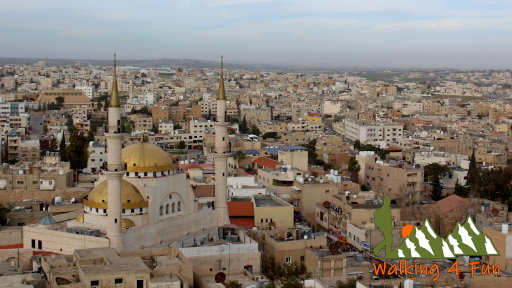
[(369, 33)]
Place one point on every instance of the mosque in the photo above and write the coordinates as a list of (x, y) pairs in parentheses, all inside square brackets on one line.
[(143, 199)]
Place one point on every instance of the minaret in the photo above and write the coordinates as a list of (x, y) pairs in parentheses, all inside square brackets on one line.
[(114, 168), (221, 155)]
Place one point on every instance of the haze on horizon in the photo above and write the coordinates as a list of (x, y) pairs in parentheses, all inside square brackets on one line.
[(393, 33)]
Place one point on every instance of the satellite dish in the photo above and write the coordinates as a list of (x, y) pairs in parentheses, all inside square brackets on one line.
[(220, 277)]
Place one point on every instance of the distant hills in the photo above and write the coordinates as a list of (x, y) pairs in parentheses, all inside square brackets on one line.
[(195, 63)]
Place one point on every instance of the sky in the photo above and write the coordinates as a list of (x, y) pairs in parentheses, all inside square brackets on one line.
[(366, 33)]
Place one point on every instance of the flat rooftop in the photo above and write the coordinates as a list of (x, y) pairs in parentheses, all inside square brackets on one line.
[(266, 201)]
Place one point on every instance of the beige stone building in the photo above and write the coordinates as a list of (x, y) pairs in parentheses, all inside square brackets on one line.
[(104, 267), (46, 175), (270, 211), (394, 179)]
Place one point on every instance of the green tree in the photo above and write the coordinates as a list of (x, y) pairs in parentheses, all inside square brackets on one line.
[(270, 135), (473, 178), (311, 147), (182, 145), (357, 144), (289, 275), (60, 101), (244, 129), (255, 130), (433, 173), (52, 146), (349, 284), (76, 151), (437, 188), (62, 149), (234, 284), (354, 168), (460, 190)]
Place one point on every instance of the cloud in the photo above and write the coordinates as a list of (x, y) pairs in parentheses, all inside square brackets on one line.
[(450, 25)]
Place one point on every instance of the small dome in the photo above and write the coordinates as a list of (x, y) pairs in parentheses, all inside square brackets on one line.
[(131, 197), (127, 223), (147, 157)]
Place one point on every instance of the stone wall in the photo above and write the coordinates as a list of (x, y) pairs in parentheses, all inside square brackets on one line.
[(7, 197)]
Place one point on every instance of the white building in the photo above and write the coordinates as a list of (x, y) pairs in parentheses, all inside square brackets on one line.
[(11, 108), (408, 108), (379, 134), (244, 186), (97, 156), (87, 90), (166, 127)]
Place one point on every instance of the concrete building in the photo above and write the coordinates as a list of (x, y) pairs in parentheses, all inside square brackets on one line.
[(270, 211), (71, 97), (88, 90), (11, 108), (395, 179), (379, 134), (97, 156), (104, 267)]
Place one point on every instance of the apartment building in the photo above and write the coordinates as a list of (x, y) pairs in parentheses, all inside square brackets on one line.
[(97, 156), (395, 179), (11, 108), (379, 134)]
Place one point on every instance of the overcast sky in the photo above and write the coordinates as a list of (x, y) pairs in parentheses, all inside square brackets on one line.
[(398, 33)]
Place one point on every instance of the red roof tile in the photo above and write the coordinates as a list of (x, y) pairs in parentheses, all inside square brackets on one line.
[(265, 162), (240, 208)]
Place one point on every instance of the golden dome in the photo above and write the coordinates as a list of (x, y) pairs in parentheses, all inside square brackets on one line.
[(147, 157), (131, 197), (127, 223), (80, 218)]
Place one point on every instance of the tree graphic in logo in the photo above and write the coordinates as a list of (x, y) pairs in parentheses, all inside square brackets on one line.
[(423, 243)]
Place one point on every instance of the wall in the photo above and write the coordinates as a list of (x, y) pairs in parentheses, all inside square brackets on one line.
[(60, 242), (170, 228)]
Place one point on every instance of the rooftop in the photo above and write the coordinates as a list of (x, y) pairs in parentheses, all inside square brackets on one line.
[(267, 201)]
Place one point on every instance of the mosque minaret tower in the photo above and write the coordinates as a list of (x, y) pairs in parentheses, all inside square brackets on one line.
[(221, 155), (114, 171)]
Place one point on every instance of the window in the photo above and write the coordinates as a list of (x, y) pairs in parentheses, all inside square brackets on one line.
[(179, 206), (161, 210), (34, 243), (95, 283), (39, 244), (173, 208), (288, 259), (167, 209), (140, 283), (301, 258), (118, 280)]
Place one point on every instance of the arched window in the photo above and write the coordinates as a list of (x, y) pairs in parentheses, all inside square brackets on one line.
[(161, 210), (173, 210), (167, 209), (179, 206)]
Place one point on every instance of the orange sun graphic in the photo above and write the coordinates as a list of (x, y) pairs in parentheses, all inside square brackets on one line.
[(406, 230)]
